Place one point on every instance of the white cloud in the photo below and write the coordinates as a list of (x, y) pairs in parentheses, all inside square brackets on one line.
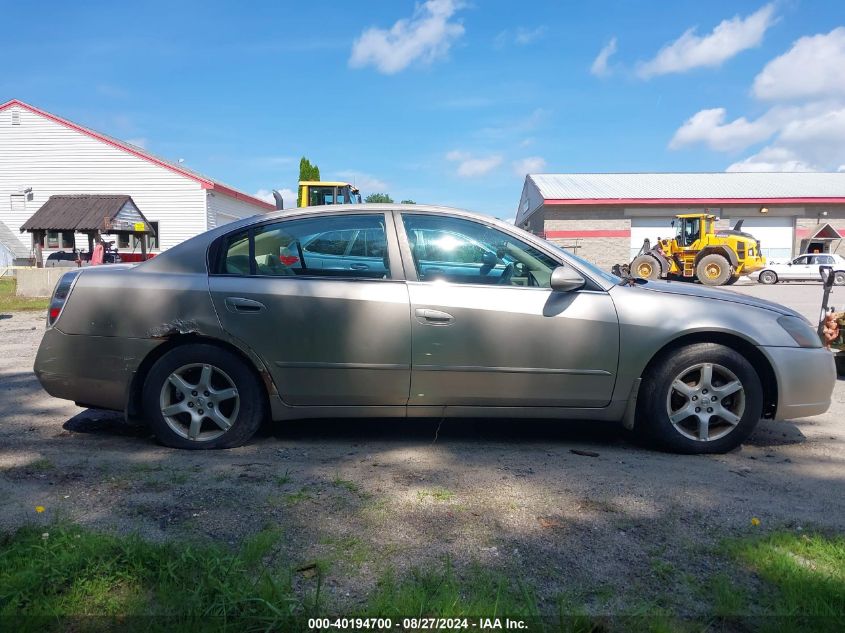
[(526, 36), (522, 36), (425, 37), (288, 195), (363, 181), (814, 67), (524, 124), (728, 39), (812, 142), (599, 67), (709, 128), (772, 159), (529, 165), (138, 142), (470, 166)]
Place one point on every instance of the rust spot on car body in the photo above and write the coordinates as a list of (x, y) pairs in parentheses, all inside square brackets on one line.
[(174, 328)]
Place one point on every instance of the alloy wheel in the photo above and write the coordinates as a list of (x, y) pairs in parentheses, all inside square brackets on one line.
[(705, 402), (199, 402)]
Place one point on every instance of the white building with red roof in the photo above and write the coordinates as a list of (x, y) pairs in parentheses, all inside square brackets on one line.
[(42, 155)]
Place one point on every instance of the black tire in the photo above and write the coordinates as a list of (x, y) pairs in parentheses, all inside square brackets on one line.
[(646, 266), (732, 280), (767, 277), (713, 270), (246, 409), (838, 278), (657, 397)]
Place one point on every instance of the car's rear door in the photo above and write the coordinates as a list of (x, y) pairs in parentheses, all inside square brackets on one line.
[(505, 339), (330, 336)]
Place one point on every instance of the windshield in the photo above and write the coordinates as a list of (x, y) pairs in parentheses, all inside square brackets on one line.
[(589, 267)]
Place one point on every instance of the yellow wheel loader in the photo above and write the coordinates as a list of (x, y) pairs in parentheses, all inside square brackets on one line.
[(698, 251)]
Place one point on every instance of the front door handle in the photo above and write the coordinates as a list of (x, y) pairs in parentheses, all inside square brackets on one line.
[(359, 266), (240, 305), (433, 317)]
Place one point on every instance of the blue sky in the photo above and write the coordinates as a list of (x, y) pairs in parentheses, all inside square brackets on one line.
[(442, 101)]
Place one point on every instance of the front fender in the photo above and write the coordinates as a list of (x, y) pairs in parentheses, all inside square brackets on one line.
[(649, 321)]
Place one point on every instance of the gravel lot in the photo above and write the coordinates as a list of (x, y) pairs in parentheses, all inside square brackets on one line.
[(365, 496)]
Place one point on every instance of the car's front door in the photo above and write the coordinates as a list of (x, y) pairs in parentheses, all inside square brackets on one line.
[(330, 336), (504, 338), (799, 269)]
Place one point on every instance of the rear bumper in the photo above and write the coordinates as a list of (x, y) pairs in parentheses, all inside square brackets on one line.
[(805, 378), (95, 370)]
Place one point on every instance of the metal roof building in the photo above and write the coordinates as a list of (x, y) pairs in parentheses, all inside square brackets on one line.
[(605, 217)]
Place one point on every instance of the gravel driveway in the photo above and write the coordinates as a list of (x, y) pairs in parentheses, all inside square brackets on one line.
[(363, 496)]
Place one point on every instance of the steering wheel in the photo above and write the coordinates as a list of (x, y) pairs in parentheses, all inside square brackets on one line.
[(507, 274)]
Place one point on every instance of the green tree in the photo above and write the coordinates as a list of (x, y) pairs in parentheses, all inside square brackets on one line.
[(408, 202), (307, 171), (378, 197)]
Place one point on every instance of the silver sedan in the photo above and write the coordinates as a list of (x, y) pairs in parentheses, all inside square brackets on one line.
[(417, 311)]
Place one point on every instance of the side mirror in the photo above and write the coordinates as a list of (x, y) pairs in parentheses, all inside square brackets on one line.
[(565, 279)]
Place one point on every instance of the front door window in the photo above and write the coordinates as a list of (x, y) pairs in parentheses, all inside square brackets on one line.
[(468, 252)]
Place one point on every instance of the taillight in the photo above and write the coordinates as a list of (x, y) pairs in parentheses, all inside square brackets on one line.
[(288, 260), (60, 295)]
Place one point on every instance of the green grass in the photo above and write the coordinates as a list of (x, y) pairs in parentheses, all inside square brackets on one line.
[(347, 484), (437, 494), (783, 581), (804, 579), (9, 302), (283, 480), (74, 572), (42, 465), (442, 593)]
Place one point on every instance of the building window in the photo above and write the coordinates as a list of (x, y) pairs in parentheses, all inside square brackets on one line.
[(52, 239), (123, 240), (68, 240), (17, 202)]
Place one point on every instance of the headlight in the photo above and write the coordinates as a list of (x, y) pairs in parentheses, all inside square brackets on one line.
[(800, 330)]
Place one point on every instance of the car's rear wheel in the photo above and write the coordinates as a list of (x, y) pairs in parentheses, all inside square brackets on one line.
[(767, 277), (201, 396), (702, 398)]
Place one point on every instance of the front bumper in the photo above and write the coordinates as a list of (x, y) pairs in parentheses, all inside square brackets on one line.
[(94, 370), (805, 377)]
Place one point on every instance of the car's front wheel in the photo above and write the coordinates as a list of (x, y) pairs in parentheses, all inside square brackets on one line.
[(702, 398), (839, 278), (201, 396)]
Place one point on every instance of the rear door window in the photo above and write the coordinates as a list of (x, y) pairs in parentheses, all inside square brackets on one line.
[(311, 247)]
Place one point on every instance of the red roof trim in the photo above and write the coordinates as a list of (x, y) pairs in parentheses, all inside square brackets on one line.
[(685, 201), (590, 233), (204, 182)]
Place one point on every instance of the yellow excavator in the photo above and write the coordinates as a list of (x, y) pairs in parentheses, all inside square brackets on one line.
[(314, 193), (698, 251)]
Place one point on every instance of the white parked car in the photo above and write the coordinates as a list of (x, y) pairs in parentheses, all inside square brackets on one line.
[(803, 268)]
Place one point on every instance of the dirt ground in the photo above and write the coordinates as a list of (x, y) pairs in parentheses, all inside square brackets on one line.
[(365, 496)]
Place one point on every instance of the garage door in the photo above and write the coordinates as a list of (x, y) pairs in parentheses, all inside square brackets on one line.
[(775, 235), (650, 228)]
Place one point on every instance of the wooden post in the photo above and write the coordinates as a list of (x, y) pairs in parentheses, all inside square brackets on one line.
[(143, 238)]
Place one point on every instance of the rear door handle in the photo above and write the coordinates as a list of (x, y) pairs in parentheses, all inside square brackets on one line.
[(359, 266), (433, 317), (240, 305)]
